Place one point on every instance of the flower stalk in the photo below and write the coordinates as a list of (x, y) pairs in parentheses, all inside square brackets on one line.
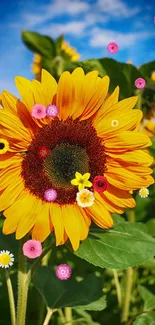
[(22, 286), (11, 298)]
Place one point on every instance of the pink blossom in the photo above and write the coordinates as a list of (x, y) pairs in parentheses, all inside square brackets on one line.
[(50, 195), (63, 272), (32, 248), (52, 110), (112, 47), (38, 111), (140, 83)]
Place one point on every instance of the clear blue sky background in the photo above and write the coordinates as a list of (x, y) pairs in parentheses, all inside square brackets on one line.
[(87, 24)]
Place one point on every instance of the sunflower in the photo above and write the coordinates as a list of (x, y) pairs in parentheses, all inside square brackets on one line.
[(81, 138), (74, 55)]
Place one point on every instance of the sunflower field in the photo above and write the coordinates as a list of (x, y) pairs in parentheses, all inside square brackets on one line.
[(77, 165)]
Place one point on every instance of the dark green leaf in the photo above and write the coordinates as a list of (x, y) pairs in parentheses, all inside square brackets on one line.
[(59, 294), (41, 44), (117, 77), (123, 246), (131, 73), (145, 319), (147, 68), (148, 297)]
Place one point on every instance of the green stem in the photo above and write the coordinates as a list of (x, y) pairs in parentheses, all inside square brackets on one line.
[(11, 298), (48, 316), (68, 315), (22, 287), (118, 288), (44, 262), (61, 314), (128, 280), (128, 288)]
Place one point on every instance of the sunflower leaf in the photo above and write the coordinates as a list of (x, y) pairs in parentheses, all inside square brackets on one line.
[(85, 294), (145, 319), (148, 297), (121, 247), (43, 45)]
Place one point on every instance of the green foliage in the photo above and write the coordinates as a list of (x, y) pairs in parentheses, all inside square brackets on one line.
[(148, 297), (40, 44), (58, 294), (123, 246), (145, 319)]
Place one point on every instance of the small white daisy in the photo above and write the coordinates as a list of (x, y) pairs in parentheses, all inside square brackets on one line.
[(6, 259), (114, 123), (144, 192), (85, 198)]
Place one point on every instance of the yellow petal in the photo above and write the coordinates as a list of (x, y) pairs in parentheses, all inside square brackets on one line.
[(65, 96), (78, 176), (87, 184), (74, 181), (11, 193), (99, 213), (86, 176), (49, 85), (75, 225), (57, 221), (127, 140), (43, 225)]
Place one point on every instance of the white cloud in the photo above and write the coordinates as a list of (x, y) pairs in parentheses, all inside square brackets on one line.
[(116, 8), (55, 8), (101, 37), (76, 28)]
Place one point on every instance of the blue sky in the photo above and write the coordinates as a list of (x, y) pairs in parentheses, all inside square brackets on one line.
[(87, 24)]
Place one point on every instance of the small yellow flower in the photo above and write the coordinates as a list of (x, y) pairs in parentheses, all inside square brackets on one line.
[(85, 198), (6, 259), (144, 192), (81, 180), (4, 146)]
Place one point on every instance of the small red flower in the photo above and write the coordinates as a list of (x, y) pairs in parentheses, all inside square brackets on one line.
[(100, 184), (43, 152)]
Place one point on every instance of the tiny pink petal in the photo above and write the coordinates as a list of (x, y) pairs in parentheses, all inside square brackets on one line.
[(140, 83), (50, 195), (52, 110), (113, 47), (32, 248), (38, 111), (63, 272)]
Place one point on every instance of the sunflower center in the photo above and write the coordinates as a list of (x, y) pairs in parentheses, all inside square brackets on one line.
[(2, 145), (63, 162), (72, 146)]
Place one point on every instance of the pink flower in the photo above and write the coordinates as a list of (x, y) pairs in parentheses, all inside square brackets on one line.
[(140, 83), (112, 47), (52, 110), (38, 111), (63, 272), (50, 195), (32, 248), (100, 184)]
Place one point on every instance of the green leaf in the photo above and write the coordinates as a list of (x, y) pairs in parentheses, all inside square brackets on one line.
[(145, 319), (90, 65), (117, 78), (152, 149), (86, 317), (123, 246), (99, 304), (59, 294), (141, 209), (151, 227), (131, 73), (117, 219), (147, 68), (58, 43), (8, 242), (148, 297), (41, 44)]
